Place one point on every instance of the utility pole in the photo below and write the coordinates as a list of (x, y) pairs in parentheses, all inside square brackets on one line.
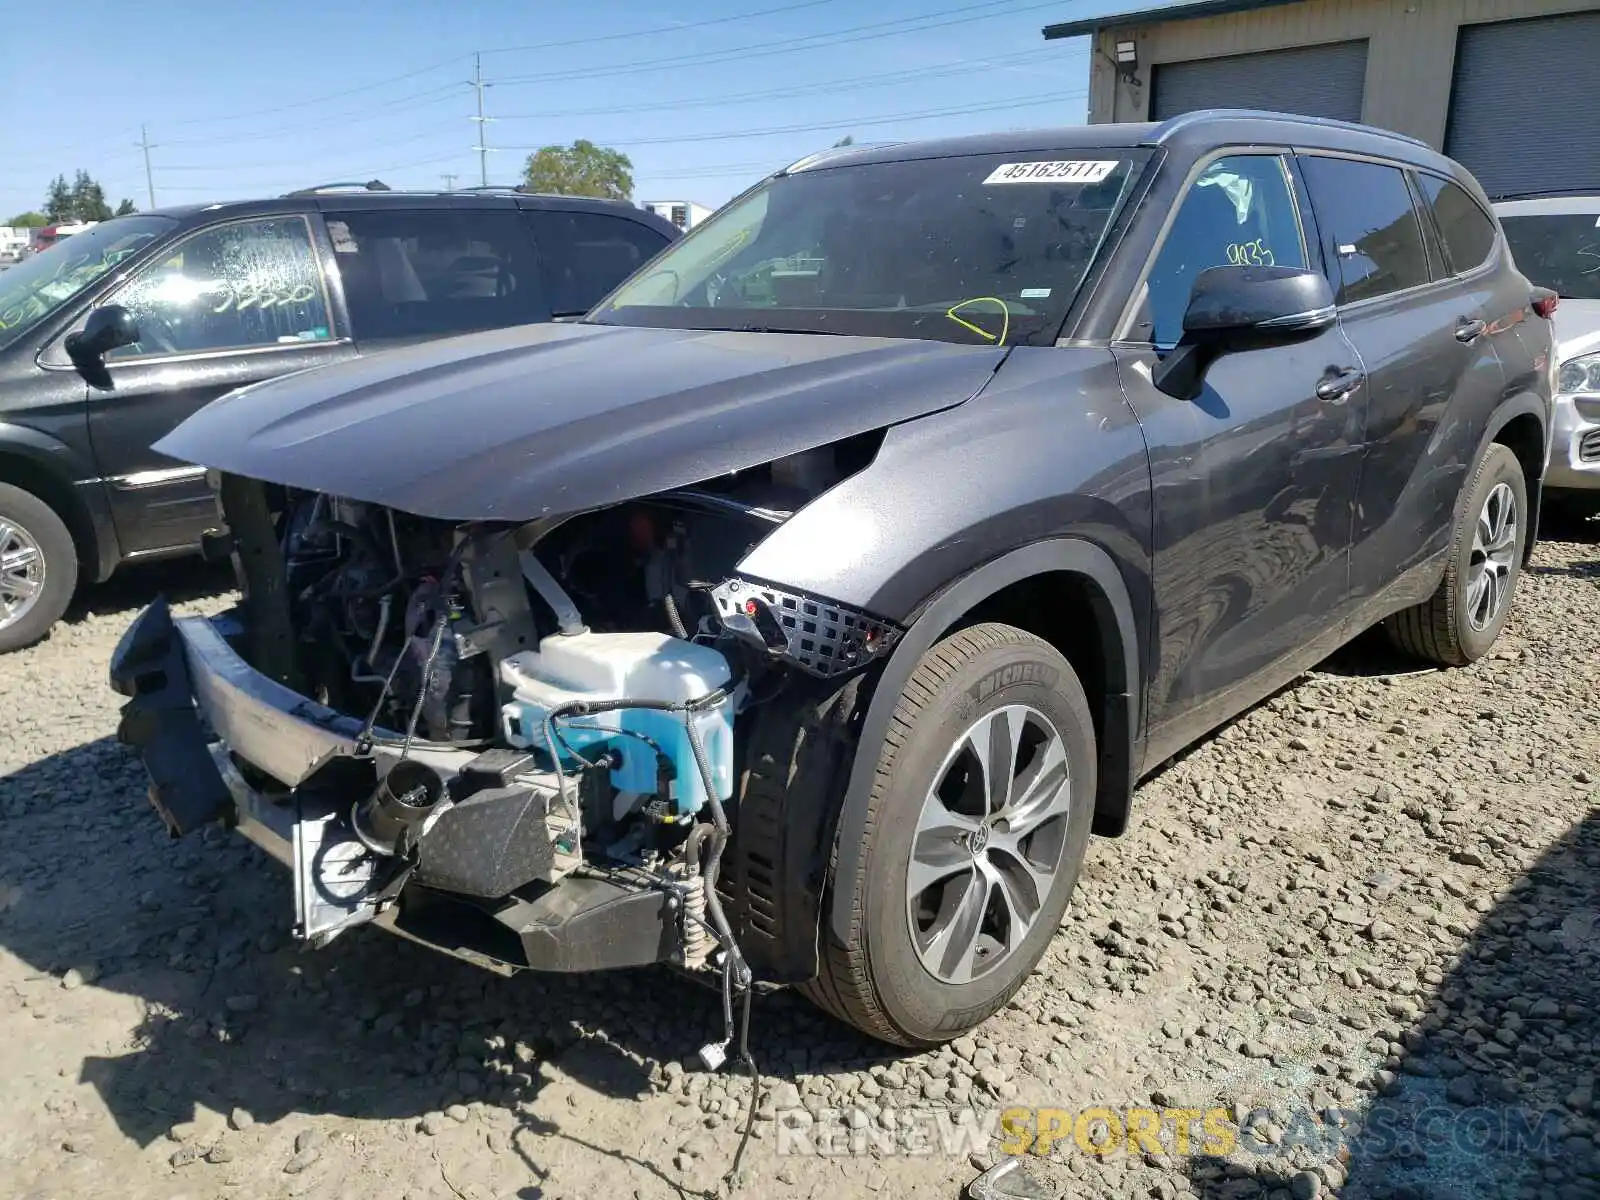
[(149, 180), (449, 181), (483, 121)]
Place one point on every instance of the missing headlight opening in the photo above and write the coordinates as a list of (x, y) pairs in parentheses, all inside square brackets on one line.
[(534, 727)]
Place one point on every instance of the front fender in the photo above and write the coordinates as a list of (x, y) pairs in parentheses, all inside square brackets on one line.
[(64, 479), (937, 616)]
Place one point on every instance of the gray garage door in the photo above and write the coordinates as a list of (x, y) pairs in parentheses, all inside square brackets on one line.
[(1316, 81), (1521, 117)]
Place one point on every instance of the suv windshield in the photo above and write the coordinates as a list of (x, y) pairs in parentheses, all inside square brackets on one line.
[(1560, 251), (983, 249), (37, 286)]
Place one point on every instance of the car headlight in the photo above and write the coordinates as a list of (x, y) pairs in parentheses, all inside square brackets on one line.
[(1581, 374)]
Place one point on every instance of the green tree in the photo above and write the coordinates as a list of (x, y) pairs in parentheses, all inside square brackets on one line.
[(848, 139), (29, 220), (58, 201), (89, 199), (126, 207), (581, 169)]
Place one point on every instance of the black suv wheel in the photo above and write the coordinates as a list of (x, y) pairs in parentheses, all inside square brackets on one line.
[(1461, 620), (976, 828), (38, 568)]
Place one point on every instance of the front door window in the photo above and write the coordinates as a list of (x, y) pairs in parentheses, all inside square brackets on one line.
[(1240, 212), (243, 285)]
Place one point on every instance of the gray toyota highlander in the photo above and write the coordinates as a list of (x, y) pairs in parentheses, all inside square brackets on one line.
[(797, 615)]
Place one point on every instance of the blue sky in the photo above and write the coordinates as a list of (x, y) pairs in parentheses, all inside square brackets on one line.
[(243, 100)]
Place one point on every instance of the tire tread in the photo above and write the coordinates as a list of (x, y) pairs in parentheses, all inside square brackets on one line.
[(843, 986)]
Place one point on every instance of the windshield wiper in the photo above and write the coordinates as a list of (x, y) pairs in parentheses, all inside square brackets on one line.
[(781, 329)]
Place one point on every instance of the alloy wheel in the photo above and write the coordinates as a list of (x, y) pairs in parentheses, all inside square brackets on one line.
[(1494, 551), (989, 843), (22, 569)]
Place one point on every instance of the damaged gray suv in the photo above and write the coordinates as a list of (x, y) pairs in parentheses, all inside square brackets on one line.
[(797, 615)]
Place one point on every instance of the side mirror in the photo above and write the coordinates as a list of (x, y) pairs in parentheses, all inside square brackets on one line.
[(1243, 308), (109, 327)]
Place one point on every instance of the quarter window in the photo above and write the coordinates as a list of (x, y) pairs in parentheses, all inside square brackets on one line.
[(243, 285), (1467, 230), (1240, 212), (1370, 216), (585, 255), (411, 273)]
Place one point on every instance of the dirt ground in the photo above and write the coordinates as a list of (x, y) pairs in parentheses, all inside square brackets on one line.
[(1362, 921)]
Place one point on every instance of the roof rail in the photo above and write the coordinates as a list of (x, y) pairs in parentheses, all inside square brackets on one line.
[(492, 187), (372, 185), (1182, 121), (821, 156)]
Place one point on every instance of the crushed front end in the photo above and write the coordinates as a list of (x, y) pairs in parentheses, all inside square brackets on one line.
[(515, 742)]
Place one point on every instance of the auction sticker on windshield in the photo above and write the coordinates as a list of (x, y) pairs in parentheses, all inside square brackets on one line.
[(1078, 171)]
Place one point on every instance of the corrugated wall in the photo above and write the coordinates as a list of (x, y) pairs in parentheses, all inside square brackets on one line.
[(1410, 60)]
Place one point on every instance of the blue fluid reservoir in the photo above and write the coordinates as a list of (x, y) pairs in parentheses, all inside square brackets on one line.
[(617, 667)]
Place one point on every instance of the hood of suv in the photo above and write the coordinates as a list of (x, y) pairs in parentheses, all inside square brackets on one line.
[(547, 419)]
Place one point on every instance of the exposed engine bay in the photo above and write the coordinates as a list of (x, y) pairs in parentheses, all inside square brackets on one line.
[(538, 700)]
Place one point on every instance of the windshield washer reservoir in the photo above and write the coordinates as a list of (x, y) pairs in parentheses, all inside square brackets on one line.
[(618, 667)]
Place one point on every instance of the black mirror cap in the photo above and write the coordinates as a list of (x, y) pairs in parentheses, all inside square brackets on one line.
[(1257, 306), (108, 328), (1243, 308)]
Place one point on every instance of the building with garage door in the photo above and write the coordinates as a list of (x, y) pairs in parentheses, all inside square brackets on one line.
[(1499, 85)]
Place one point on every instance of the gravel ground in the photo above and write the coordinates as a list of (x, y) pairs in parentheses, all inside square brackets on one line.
[(1364, 919)]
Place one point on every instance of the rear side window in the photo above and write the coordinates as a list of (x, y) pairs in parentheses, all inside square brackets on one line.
[(1467, 230), (585, 255), (1239, 212), (1368, 210), (431, 272)]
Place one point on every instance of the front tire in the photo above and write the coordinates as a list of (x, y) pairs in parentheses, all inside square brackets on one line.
[(38, 568), (977, 823), (1458, 624)]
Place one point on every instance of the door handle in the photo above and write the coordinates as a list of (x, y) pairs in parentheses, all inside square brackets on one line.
[(1470, 330), (1336, 388)]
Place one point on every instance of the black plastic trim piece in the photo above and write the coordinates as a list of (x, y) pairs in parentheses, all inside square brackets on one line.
[(160, 722)]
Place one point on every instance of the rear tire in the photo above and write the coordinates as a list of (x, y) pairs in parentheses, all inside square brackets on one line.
[(38, 568), (1458, 624), (951, 910)]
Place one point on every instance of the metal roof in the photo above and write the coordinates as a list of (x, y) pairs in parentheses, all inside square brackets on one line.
[(1147, 16)]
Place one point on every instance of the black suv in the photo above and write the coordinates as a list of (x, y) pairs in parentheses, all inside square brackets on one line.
[(112, 337), (800, 612)]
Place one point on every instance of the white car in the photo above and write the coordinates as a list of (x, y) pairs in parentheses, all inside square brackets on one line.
[(1555, 240)]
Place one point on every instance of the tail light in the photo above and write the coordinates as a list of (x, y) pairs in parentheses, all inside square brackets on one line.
[(1545, 302)]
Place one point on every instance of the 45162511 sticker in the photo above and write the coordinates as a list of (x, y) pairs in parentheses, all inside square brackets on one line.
[(1091, 170)]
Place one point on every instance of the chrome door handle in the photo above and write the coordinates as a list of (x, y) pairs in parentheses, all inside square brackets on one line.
[(1337, 388), (1470, 330)]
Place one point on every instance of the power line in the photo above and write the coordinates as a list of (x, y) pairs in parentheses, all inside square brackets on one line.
[(857, 33), (427, 99), (315, 100), (845, 123), (375, 84), (794, 91), (678, 28)]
